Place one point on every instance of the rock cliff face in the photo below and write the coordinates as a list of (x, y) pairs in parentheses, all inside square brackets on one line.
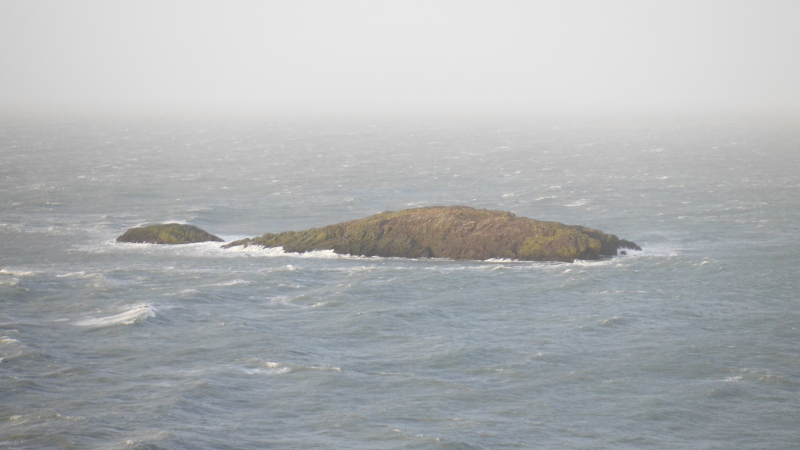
[(167, 233), (455, 232)]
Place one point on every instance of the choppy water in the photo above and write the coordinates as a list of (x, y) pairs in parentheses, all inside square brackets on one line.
[(692, 343)]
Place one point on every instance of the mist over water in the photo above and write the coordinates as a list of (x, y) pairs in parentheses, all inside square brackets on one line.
[(691, 343)]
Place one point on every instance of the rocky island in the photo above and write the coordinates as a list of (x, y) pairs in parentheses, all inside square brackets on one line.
[(167, 233), (455, 232)]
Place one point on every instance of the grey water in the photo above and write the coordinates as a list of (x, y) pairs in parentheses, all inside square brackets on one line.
[(694, 342)]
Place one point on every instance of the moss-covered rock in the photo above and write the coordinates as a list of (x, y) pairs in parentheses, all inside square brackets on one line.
[(167, 233), (455, 232)]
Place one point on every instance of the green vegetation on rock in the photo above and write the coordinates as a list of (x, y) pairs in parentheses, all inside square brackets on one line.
[(455, 232), (167, 233)]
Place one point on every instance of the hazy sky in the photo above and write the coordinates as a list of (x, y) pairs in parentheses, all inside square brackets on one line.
[(405, 55)]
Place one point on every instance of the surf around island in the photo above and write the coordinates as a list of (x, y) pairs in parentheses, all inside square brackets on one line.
[(454, 232)]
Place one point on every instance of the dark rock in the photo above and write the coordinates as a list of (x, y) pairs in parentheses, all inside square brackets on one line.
[(167, 233), (455, 232), (629, 245)]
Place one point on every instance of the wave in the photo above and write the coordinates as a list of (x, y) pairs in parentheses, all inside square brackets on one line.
[(614, 321), (16, 273), (580, 202), (137, 314), (215, 250), (13, 282), (231, 283), (652, 250), (80, 274), (274, 368), (279, 251), (5, 340)]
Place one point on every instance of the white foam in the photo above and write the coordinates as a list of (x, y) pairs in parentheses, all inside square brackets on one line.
[(651, 250), (231, 283), (80, 274), (270, 368), (5, 340), (326, 254), (278, 251), (274, 368), (136, 314), (592, 263), (214, 249), (257, 250), (607, 322), (16, 273), (580, 202)]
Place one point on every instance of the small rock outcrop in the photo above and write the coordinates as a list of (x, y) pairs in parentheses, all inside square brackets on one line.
[(167, 233), (455, 232)]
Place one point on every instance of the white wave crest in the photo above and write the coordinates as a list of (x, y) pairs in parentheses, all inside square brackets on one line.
[(256, 250), (16, 273), (5, 340), (274, 368), (592, 262), (580, 202), (80, 274), (231, 283), (136, 314)]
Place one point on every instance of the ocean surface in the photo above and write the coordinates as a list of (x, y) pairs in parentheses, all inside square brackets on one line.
[(693, 342)]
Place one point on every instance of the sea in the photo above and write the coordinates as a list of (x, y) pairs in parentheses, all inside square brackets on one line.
[(693, 342)]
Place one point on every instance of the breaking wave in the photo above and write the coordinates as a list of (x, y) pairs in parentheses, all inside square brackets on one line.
[(137, 314)]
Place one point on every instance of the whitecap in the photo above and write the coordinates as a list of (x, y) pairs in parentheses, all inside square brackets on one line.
[(580, 202), (270, 368), (272, 252), (275, 368), (80, 274), (16, 273), (257, 250), (609, 322), (592, 263), (231, 283), (137, 314), (325, 254)]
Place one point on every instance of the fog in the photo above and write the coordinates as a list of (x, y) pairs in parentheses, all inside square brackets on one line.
[(417, 56)]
